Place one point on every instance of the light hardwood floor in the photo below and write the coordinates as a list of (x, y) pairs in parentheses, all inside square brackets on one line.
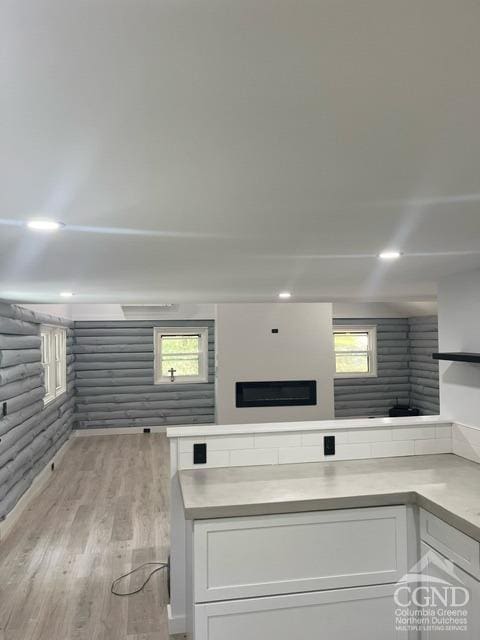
[(104, 511)]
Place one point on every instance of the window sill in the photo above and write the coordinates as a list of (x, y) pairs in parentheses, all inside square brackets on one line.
[(353, 376), (56, 397), (177, 382)]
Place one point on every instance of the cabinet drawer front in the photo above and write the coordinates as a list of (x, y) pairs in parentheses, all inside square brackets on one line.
[(460, 548), (269, 555), (435, 566), (362, 614)]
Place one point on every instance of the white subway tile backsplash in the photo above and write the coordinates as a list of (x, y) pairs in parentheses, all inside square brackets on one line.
[(466, 442), (218, 443), (466, 435), (370, 435), (466, 451), (314, 439), (352, 452), (414, 433), (301, 454), (439, 445), (307, 446), (249, 457), (278, 440), (392, 449), (443, 431), (214, 459)]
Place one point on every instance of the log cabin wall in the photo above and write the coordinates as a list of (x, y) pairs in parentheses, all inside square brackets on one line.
[(424, 371), (110, 383), (115, 377), (406, 371), (30, 433)]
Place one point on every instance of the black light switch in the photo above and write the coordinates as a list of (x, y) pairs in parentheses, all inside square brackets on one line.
[(200, 453), (329, 445)]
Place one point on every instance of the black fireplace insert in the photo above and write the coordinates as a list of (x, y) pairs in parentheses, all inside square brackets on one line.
[(283, 393)]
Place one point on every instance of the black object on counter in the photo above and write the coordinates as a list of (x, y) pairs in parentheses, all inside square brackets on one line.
[(403, 411)]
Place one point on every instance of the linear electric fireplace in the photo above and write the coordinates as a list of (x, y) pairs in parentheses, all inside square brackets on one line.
[(284, 393)]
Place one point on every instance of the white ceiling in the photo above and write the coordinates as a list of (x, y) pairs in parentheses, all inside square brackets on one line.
[(220, 150)]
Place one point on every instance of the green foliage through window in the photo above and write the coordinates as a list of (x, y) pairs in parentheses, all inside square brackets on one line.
[(352, 352), (182, 354), (357, 363), (351, 341), (180, 344)]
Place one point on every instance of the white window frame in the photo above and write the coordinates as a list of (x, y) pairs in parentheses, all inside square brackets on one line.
[(54, 360), (202, 377), (371, 330)]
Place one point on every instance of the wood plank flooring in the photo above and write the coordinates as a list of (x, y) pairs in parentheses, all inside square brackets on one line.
[(104, 511)]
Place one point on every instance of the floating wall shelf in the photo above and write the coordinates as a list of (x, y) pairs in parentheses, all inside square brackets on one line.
[(458, 356)]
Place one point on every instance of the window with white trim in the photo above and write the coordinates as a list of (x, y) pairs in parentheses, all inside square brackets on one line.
[(355, 351), (181, 355), (54, 360)]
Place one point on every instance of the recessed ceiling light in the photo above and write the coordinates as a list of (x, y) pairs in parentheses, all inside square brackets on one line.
[(66, 294), (389, 255), (44, 224), (285, 295)]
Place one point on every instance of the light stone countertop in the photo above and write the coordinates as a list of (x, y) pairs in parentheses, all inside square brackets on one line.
[(196, 431), (446, 485)]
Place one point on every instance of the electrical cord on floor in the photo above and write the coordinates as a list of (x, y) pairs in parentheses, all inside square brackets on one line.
[(160, 566)]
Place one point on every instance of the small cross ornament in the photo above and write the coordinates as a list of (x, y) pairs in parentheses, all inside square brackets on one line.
[(172, 371)]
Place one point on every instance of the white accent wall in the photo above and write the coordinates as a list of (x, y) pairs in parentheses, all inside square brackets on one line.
[(459, 330), (247, 350)]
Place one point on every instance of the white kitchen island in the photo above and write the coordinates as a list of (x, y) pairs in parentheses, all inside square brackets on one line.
[(325, 574), (318, 550), (279, 444)]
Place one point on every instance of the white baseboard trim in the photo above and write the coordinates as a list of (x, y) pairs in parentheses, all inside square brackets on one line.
[(37, 486), (176, 624), (116, 431)]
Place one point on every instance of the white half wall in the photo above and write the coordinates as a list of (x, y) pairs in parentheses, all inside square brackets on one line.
[(247, 350), (458, 326)]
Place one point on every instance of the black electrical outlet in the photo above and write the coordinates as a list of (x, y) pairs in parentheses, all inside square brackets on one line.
[(146, 430), (4, 409), (329, 445), (200, 453), (169, 580), (274, 330)]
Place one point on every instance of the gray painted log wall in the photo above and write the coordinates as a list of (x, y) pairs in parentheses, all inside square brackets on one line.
[(424, 371), (406, 370), (374, 396), (110, 384), (30, 434), (115, 378)]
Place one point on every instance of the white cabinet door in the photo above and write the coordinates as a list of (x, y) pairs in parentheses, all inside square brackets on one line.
[(440, 575), (365, 613), (279, 554), (450, 542)]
